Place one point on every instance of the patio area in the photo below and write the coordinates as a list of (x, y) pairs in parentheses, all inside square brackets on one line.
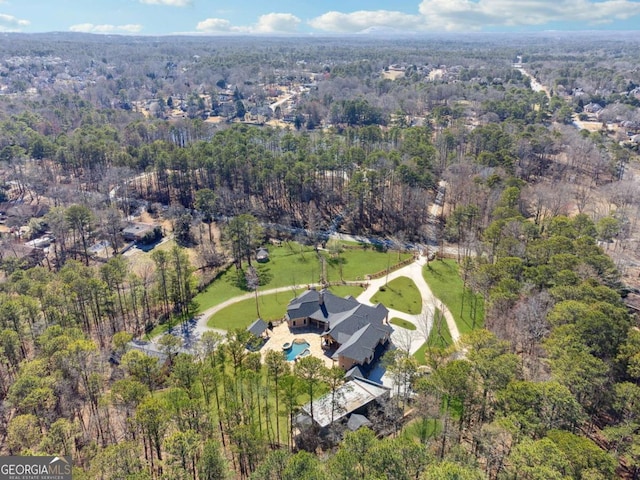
[(281, 334)]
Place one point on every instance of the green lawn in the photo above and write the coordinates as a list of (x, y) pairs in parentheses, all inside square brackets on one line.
[(402, 323), (400, 294), (295, 264), (290, 264), (439, 337), (357, 263), (272, 307), (444, 280)]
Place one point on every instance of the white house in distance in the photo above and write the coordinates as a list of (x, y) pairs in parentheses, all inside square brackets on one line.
[(358, 333)]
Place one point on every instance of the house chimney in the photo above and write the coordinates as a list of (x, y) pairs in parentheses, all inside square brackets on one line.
[(321, 297)]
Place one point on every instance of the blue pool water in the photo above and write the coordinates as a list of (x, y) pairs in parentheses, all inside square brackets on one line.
[(295, 350)]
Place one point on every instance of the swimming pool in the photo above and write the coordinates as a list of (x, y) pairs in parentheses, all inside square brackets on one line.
[(296, 348)]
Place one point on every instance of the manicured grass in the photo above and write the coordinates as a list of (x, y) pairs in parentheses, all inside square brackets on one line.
[(444, 279), (400, 294), (289, 264), (439, 337), (295, 264), (402, 323), (272, 307), (419, 354), (357, 263)]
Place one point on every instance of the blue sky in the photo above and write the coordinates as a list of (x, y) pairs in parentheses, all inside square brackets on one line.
[(214, 17)]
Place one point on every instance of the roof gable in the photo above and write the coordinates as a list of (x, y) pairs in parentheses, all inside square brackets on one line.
[(319, 305), (362, 344), (257, 328)]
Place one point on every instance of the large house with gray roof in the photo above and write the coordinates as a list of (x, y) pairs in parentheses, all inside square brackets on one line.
[(358, 333)]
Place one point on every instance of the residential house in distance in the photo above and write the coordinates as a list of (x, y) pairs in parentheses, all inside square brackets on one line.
[(142, 232), (593, 109), (358, 333)]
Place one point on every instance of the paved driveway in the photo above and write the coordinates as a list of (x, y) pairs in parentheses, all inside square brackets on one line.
[(412, 340), (402, 337)]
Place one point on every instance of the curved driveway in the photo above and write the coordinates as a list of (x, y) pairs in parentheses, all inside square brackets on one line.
[(411, 340)]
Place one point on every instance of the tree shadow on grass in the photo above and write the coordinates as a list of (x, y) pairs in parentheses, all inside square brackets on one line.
[(264, 275), (450, 268), (238, 278)]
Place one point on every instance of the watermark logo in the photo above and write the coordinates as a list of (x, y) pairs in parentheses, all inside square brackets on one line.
[(35, 468)]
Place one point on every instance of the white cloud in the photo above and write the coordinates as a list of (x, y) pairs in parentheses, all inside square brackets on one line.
[(467, 14), (363, 19), (277, 23), (269, 23), (437, 15), (105, 28), (171, 3), (217, 25), (10, 23)]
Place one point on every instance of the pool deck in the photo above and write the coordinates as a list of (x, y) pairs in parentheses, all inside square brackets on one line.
[(281, 335)]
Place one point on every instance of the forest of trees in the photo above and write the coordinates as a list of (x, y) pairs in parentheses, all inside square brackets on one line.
[(541, 215)]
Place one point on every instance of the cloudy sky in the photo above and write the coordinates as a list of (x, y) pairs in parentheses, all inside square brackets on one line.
[(214, 17)]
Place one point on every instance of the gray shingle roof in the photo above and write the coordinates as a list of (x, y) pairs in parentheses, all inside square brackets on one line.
[(257, 328), (362, 344), (357, 421), (354, 372), (341, 327), (308, 305), (356, 327)]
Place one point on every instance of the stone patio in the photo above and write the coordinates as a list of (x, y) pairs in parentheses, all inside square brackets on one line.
[(281, 334)]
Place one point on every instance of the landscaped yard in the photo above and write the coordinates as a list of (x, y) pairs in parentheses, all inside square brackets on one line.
[(272, 307), (402, 323), (444, 280), (400, 294), (439, 337), (295, 264), (358, 262)]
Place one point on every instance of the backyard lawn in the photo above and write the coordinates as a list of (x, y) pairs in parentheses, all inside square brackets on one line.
[(295, 264), (400, 294), (272, 307), (444, 280)]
